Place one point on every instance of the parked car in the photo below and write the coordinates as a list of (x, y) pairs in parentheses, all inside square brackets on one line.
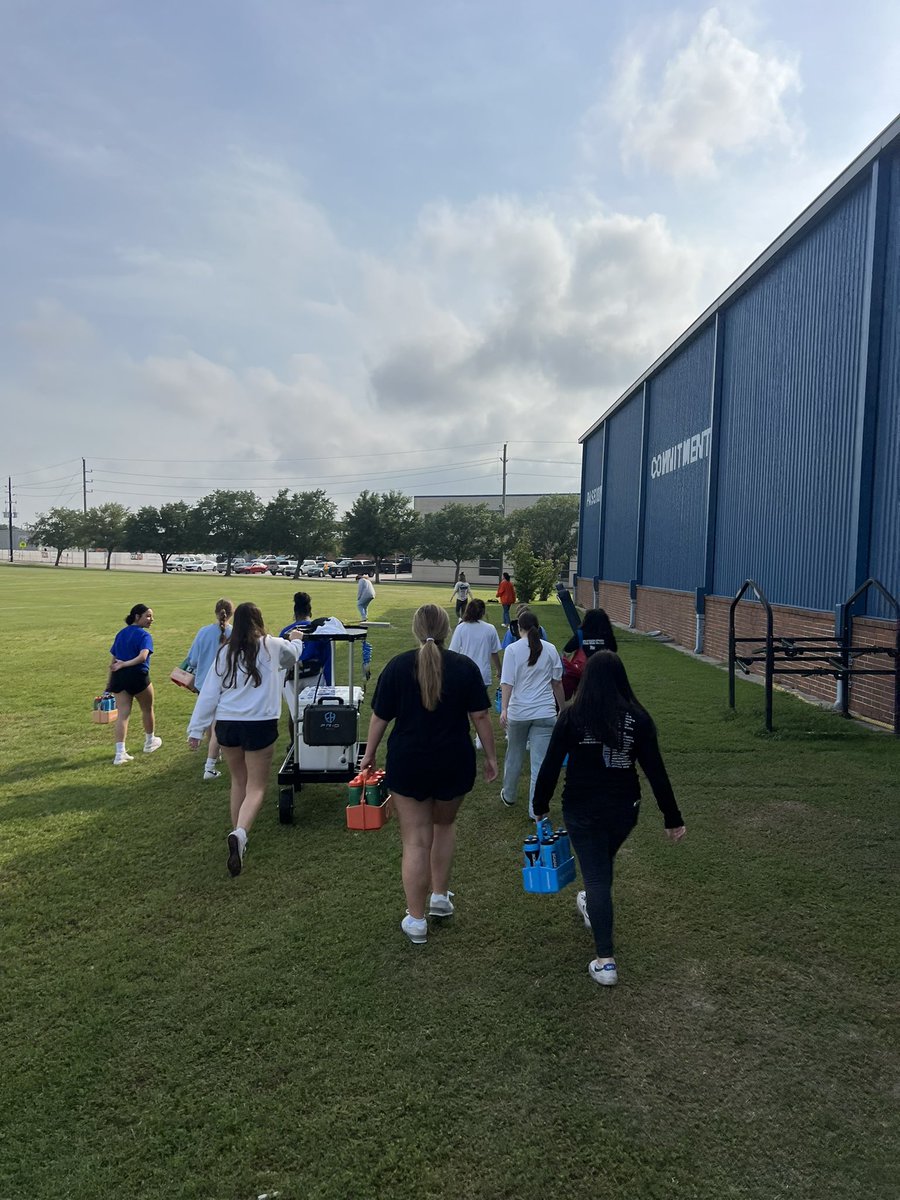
[(310, 568), (396, 566), (201, 564), (236, 564), (288, 567), (254, 568), (352, 566), (182, 562)]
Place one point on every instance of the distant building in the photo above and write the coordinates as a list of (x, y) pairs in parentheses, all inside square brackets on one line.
[(483, 570), (19, 535)]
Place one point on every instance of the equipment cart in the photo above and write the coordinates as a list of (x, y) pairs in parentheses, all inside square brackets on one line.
[(326, 746)]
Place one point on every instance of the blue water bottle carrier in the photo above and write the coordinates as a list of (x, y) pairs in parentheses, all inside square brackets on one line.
[(549, 865)]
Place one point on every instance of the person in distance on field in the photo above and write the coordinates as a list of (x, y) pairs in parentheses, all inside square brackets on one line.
[(460, 594), (605, 731), (129, 680), (506, 594), (430, 694)]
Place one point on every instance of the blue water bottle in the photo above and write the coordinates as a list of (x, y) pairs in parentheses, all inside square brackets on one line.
[(532, 850), (565, 846)]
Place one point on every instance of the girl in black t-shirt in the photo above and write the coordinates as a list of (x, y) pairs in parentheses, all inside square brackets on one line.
[(604, 732), (429, 693)]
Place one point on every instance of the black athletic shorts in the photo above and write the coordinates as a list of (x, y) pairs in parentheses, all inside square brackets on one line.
[(129, 679), (247, 735)]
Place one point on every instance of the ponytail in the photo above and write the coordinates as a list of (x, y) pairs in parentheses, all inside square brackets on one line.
[(431, 626), (137, 611), (528, 623), (224, 609)]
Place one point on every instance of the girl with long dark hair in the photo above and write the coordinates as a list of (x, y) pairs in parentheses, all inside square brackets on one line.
[(594, 633), (531, 692), (429, 693), (605, 731), (129, 680), (242, 693)]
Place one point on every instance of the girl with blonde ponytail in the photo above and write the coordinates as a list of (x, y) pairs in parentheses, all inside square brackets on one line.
[(430, 694), (201, 656)]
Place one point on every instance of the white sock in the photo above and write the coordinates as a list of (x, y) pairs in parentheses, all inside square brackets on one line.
[(120, 747), (210, 764), (241, 835), (148, 738)]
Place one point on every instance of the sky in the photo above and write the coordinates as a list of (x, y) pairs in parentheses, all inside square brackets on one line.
[(365, 243)]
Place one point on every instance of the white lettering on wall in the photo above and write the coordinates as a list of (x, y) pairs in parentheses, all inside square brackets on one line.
[(692, 449), (593, 497)]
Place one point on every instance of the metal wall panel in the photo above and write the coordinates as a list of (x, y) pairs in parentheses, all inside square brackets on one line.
[(591, 506), (622, 492), (789, 403), (677, 463), (884, 554)]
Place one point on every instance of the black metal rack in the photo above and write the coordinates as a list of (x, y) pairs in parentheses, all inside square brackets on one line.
[(813, 655)]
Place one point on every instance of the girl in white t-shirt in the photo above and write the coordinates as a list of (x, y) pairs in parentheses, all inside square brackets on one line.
[(461, 594), (478, 639), (531, 689)]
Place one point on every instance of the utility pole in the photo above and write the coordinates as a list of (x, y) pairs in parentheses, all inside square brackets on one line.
[(502, 510), (10, 514), (84, 498)]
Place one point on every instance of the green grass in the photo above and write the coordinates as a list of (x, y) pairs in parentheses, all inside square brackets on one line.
[(172, 1034)]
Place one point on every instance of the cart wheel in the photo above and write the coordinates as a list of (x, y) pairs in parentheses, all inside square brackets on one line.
[(286, 806)]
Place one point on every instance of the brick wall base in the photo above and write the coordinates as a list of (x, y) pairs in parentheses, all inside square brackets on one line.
[(673, 613)]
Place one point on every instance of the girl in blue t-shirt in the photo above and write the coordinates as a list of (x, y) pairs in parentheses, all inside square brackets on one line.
[(201, 655), (129, 679)]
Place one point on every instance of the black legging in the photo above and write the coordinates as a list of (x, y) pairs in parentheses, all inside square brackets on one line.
[(596, 839)]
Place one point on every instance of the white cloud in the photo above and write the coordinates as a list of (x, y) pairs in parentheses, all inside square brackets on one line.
[(714, 96)]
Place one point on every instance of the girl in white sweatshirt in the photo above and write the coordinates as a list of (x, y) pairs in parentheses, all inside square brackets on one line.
[(242, 694)]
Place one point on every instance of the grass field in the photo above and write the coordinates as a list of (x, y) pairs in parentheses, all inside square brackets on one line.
[(170, 1033)]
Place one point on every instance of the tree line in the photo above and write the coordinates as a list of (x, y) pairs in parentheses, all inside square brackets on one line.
[(539, 541)]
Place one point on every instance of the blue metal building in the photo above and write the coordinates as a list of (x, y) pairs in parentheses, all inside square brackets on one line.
[(765, 442)]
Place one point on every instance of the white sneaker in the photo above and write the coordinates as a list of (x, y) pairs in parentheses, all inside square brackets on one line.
[(213, 774), (581, 905), (606, 976), (508, 803), (440, 906), (152, 744), (416, 929), (122, 758), (235, 854)]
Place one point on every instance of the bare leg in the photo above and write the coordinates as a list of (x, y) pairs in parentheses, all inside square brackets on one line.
[(257, 764), (213, 751), (443, 843), (416, 833), (237, 769), (145, 701), (123, 711)]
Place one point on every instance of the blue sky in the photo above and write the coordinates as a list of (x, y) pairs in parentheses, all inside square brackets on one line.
[(361, 245)]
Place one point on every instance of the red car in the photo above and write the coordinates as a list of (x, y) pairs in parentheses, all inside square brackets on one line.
[(254, 568)]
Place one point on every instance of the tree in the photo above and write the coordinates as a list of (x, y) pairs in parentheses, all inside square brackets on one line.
[(105, 526), (59, 528), (225, 522), (458, 532), (381, 523), (527, 569), (550, 527), (299, 525), (164, 531)]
